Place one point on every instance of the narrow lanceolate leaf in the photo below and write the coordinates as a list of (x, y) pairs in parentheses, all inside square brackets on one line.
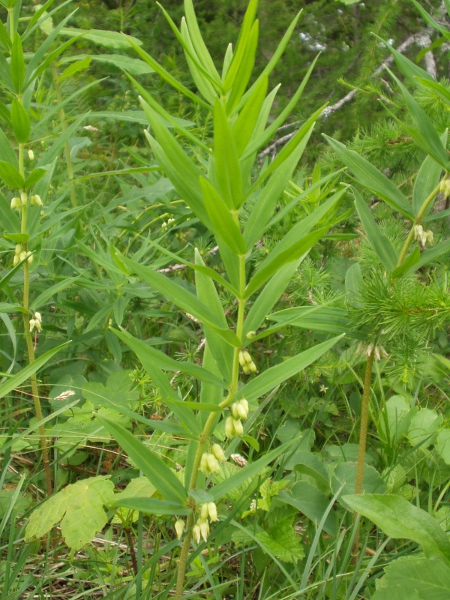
[(221, 218), (245, 70), (11, 175), (275, 375), (228, 169), (291, 254), (242, 45), (218, 491), (400, 519), (406, 66), (379, 242), (20, 121), (197, 41), (248, 117), (26, 372), (427, 179), (164, 362), (17, 66), (369, 177), (182, 298), (408, 264), (153, 506), (35, 176), (148, 462), (426, 137)]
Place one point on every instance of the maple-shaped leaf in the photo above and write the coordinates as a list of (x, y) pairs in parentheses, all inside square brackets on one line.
[(79, 507), (282, 541)]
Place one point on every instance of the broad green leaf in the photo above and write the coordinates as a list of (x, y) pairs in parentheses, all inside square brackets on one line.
[(8, 218), (133, 66), (18, 238), (20, 121), (426, 137), (250, 471), (145, 352), (11, 175), (432, 254), (153, 506), (182, 298), (443, 445), (79, 507), (17, 66), (45, 296), (316, 318), (408, 264), (424, 426), (26, 372), (275, 375), (282, 541), (427, 179), (368, 176), (414, 578), (395, 420), (81, 64), (379, 242), (221, 218), (400, 519), (312, 503), (344, 477), (7, 153), (148, 462), (227, 167)]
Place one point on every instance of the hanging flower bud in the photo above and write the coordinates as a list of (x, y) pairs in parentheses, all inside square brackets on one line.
[(36, 199), (179, 528), (229, 428), (31, 154), (213, 464), (242, 360), (204, 530), (204, 512), (218, 452), (251, 335), (23, 198), (196, 534), (16, 203), (18, 249), (204, 463), (238, 428), (212, 512)]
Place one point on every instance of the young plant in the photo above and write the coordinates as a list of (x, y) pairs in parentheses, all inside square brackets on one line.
[(237, 205)]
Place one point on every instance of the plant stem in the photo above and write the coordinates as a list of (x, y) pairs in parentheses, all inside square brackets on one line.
[(29, 339), (416, 222), (363, 433), (204, 436)]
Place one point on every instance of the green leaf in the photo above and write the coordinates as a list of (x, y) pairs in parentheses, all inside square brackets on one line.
[(275, 375), (245, 123), (432, 254), (427, 179), (20, 121), (182, 298), (148, 462), (282, 541), (312, 503), (133, 66), (406, 66), (276, 259), (368, 176), (344, 477), (395, 420), (426, 137), (424, 426), (153, 506), (242, 44), (245, 68), (408, 264), (17, 66), (35, 176), (102, 37), (26, 372), (197, 41), (379, 242), (440, 91), (401, 520), (414, 578), (227, 167), (145, 352), (316, 318), (11, 175), (18, 238), (221, 218), (443, 445), (79, 507), (249, 472)]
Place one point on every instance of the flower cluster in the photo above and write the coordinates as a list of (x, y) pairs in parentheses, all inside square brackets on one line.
[(17, 203), (208, 513), (233, 424), (246, 362), (20, 254), (210, 461), (424, 237), (36, 322)]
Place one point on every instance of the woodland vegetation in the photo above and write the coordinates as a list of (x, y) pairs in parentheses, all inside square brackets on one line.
[(224, 300)]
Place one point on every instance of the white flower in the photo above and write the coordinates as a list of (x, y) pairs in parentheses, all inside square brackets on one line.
[(179, 528)]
